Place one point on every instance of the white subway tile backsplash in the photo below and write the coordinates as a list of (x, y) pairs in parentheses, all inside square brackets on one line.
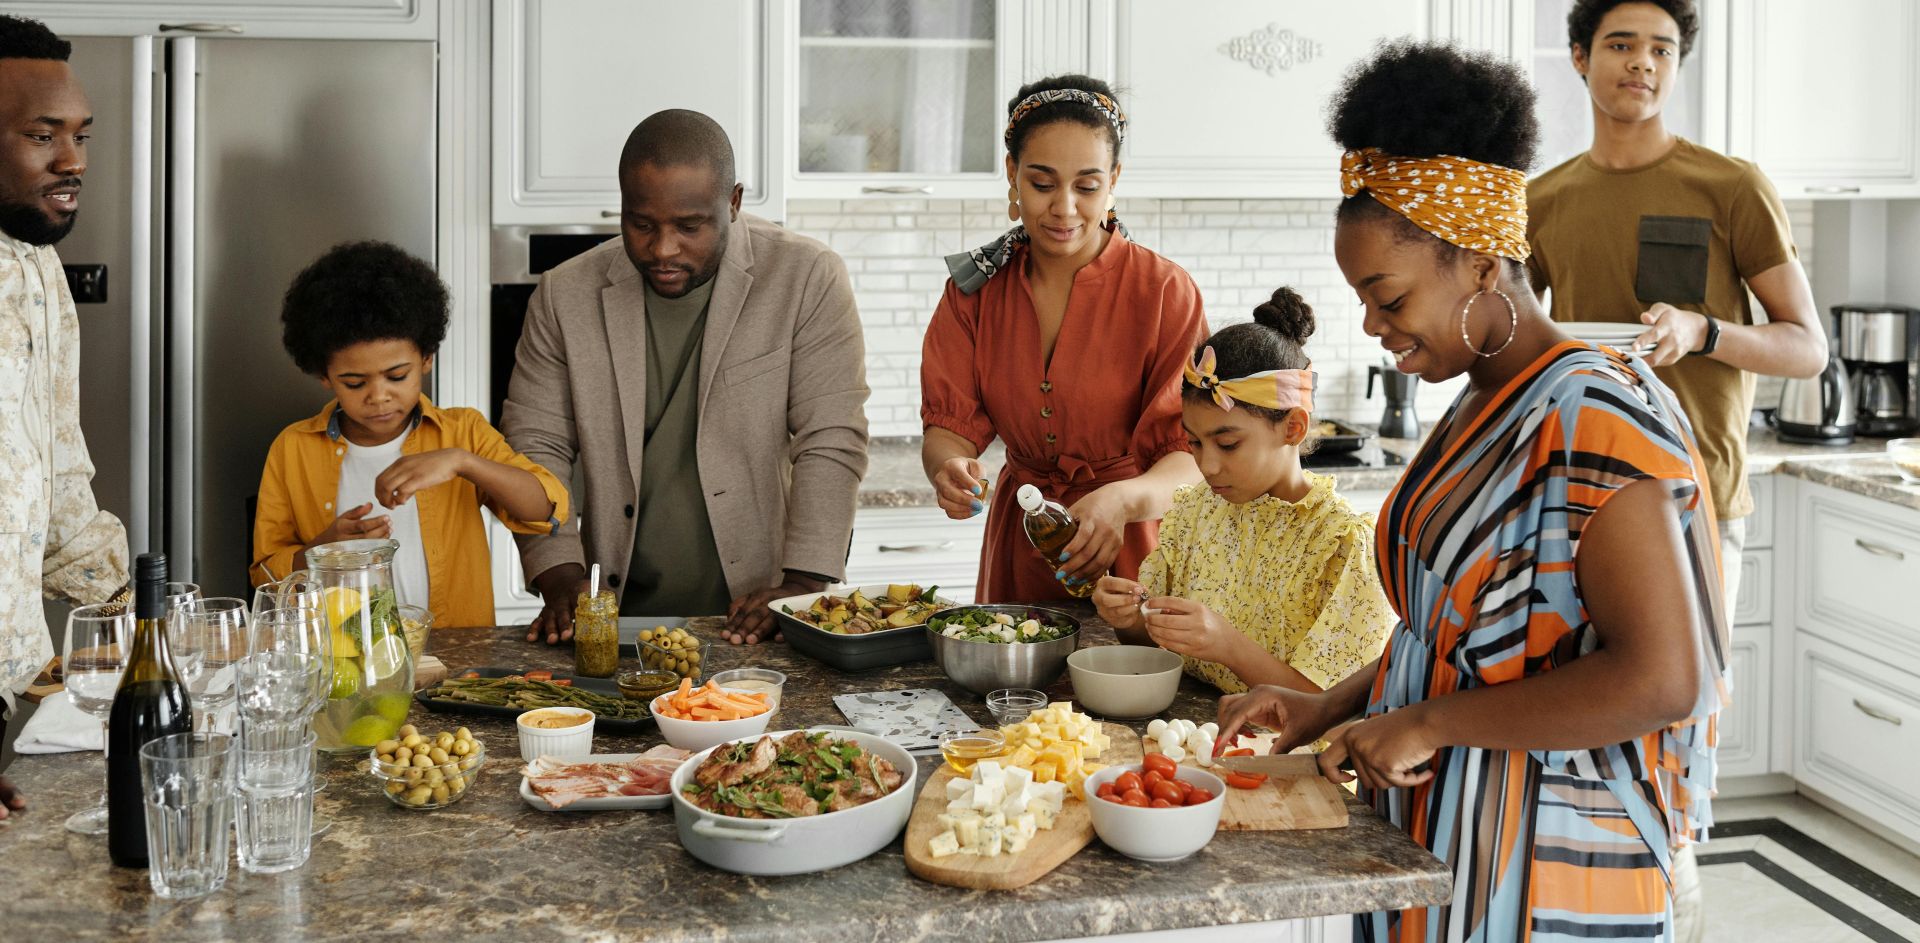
[(1238, 252)]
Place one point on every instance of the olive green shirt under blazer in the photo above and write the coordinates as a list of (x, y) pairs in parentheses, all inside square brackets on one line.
[(782, 439)]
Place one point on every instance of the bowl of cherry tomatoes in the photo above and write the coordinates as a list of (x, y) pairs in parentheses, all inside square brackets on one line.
[(1156, 810)]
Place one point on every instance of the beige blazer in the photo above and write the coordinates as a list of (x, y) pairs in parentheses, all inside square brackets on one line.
[(782, 443)]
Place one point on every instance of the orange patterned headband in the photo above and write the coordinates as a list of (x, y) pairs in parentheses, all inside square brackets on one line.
[(1465, 202), (1271, 389)]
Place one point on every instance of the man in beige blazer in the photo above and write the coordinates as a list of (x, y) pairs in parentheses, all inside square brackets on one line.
[(705, 374)]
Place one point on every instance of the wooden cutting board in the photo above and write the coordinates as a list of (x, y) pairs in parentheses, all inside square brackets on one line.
[(1072, 831), (1298, 799)]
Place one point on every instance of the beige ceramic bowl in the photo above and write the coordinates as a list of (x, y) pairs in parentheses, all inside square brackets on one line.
[(1124, 681), (567, 743)]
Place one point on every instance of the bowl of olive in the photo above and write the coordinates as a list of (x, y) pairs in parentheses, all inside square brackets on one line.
[(675, 650), (421, 771)]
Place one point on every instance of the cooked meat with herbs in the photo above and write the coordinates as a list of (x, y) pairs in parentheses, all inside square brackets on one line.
[(801, 774)]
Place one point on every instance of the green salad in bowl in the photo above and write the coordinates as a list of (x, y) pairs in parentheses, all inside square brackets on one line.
[(983, 625)]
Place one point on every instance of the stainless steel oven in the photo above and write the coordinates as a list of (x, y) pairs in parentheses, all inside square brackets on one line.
[(520, 255)]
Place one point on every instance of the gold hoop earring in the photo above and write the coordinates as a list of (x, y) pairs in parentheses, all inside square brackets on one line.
[(1513, 323), (1013, 205)]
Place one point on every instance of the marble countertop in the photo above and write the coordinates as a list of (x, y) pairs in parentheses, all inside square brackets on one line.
[(1871, 476), (491, 868)]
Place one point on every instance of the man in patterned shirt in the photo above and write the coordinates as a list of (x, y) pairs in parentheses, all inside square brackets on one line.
[(54, 540)]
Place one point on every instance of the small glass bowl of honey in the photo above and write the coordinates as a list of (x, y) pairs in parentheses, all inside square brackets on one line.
[(964, 748)]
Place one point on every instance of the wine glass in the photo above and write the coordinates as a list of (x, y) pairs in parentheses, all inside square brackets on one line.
[(97, 639), (213, 635)]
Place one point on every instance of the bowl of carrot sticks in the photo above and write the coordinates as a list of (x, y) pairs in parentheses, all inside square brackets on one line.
[(695, 718)]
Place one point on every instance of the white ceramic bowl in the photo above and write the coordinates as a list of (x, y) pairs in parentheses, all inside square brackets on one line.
[(800, 845), (1124, 681), (1156, 834), (697, 735), (575, 742)]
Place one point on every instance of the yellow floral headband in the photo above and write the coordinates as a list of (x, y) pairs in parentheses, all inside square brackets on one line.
[(1270, 389), (1465, 202)]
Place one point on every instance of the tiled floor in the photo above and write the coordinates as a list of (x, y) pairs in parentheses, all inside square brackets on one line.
[(1784, 868)]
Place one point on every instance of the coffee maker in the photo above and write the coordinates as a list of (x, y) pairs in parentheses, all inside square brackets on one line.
[(1398, 420), (1880, 344)]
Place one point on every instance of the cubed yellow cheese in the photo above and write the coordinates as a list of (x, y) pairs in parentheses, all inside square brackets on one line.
[(1045, 772)]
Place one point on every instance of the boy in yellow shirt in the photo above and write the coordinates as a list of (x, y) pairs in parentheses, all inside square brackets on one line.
[(366, 320)]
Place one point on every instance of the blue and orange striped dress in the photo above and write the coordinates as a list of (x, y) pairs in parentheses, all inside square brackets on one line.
[(1476, 548)]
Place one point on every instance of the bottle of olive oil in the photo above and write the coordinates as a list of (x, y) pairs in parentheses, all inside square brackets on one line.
[(1049, 527), (149, 704)]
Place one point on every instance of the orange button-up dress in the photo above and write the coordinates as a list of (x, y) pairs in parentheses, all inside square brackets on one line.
[(1105, 409)]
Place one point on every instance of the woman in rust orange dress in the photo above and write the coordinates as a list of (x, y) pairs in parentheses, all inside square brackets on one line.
[(1064, 339)]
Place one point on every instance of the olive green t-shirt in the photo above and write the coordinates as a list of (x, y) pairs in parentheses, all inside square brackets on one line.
[(1688, 229), (676, 567)]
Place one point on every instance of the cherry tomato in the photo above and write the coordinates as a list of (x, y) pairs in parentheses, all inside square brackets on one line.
[(1245, 780), (541, 674), (1112, 797), (1243, 751), (1148, 781), (1186, 788), (1135, 798), (1105, 791), (1160, 804), (1199, 796), (1166, 790), (1127, 782), (1160, 763)]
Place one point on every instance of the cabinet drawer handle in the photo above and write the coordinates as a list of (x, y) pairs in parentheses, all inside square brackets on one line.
[(609, 214), (1876, 713), (1833, 189), (898, 188), (918, 548), (202, 28), (1878, 550)]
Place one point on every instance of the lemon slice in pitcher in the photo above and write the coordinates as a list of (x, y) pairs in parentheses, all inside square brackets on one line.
[(340, 603), (386, 657)]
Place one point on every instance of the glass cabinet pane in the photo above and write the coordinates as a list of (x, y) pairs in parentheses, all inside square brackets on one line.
[(897, 88)]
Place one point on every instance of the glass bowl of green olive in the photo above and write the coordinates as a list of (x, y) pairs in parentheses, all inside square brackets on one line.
[(417, 771)]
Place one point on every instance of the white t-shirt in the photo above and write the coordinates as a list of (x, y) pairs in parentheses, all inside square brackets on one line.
[(363, 464)]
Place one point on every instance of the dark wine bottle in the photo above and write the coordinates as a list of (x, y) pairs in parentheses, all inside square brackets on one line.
[(149, 704)]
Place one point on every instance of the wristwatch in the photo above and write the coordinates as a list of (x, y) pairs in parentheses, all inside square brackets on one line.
[(1713, 337)]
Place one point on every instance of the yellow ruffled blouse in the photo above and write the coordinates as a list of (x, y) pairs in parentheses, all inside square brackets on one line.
[(1296, 576)]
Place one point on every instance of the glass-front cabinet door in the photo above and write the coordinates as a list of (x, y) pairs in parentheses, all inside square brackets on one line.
[(898, 98)]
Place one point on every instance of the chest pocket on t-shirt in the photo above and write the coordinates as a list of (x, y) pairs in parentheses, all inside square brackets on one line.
[(1673, 259)]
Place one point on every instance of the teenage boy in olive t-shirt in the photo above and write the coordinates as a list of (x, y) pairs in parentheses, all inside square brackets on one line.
[(1646, 227)]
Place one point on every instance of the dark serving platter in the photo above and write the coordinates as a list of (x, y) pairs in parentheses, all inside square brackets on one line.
[(601, 724)]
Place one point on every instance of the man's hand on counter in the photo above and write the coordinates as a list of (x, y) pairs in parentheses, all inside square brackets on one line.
[(11, 800), (749, 621), (559, 588)]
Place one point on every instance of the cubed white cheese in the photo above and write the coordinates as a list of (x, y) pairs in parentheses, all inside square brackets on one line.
[(988, 772), (992, 835), (967, 829), (988, 796), (1050, 796), (1016, 778), (1043, 815), (962, 804), (958, 787), (1015, 804), (944, 844)]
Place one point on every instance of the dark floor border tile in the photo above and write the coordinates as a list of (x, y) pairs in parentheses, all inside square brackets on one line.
[(1871, 883), (1873, 929)]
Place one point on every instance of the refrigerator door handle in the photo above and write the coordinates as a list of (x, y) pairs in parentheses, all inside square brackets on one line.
[(182, 92), (140, 301), (233, 28)]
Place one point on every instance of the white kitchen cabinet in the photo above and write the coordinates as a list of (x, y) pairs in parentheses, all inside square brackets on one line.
[(1857, 564), (1744, 726), (572, 77), (917, 545), (1848, 127), (884, 99), (514, 602), (258, 19), (1857, 733), (1232, 104), (1696, 109)]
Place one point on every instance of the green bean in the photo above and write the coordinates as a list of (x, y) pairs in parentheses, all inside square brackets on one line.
[(520, 693)]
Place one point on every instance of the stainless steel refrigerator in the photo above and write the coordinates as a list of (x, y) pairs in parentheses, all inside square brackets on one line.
[(220, 167)]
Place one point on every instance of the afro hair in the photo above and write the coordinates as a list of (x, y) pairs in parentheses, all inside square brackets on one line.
[(359, 292)]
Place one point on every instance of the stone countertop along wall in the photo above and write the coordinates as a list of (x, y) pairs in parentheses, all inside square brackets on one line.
[(895, 479), (491, 868)]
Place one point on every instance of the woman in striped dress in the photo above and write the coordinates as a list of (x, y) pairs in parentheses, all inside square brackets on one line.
[(1542, 718)]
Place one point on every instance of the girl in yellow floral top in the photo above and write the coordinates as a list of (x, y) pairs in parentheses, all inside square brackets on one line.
[(1267, 575)]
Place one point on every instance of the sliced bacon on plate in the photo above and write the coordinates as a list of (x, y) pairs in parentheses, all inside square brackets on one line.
[(561, 783)]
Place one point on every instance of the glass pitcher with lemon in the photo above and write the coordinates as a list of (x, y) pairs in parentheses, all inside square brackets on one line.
[(372, 666)]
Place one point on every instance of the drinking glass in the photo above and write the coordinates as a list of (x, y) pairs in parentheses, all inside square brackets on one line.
[(180, 594), (274, 817), (304, 630), (187, 780), (97, 637), (207, 637)]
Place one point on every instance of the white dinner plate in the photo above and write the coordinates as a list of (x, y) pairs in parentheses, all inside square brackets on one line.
[(609, 804)]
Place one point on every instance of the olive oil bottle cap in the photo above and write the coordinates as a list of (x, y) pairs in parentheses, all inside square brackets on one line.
[(1030, 499)]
